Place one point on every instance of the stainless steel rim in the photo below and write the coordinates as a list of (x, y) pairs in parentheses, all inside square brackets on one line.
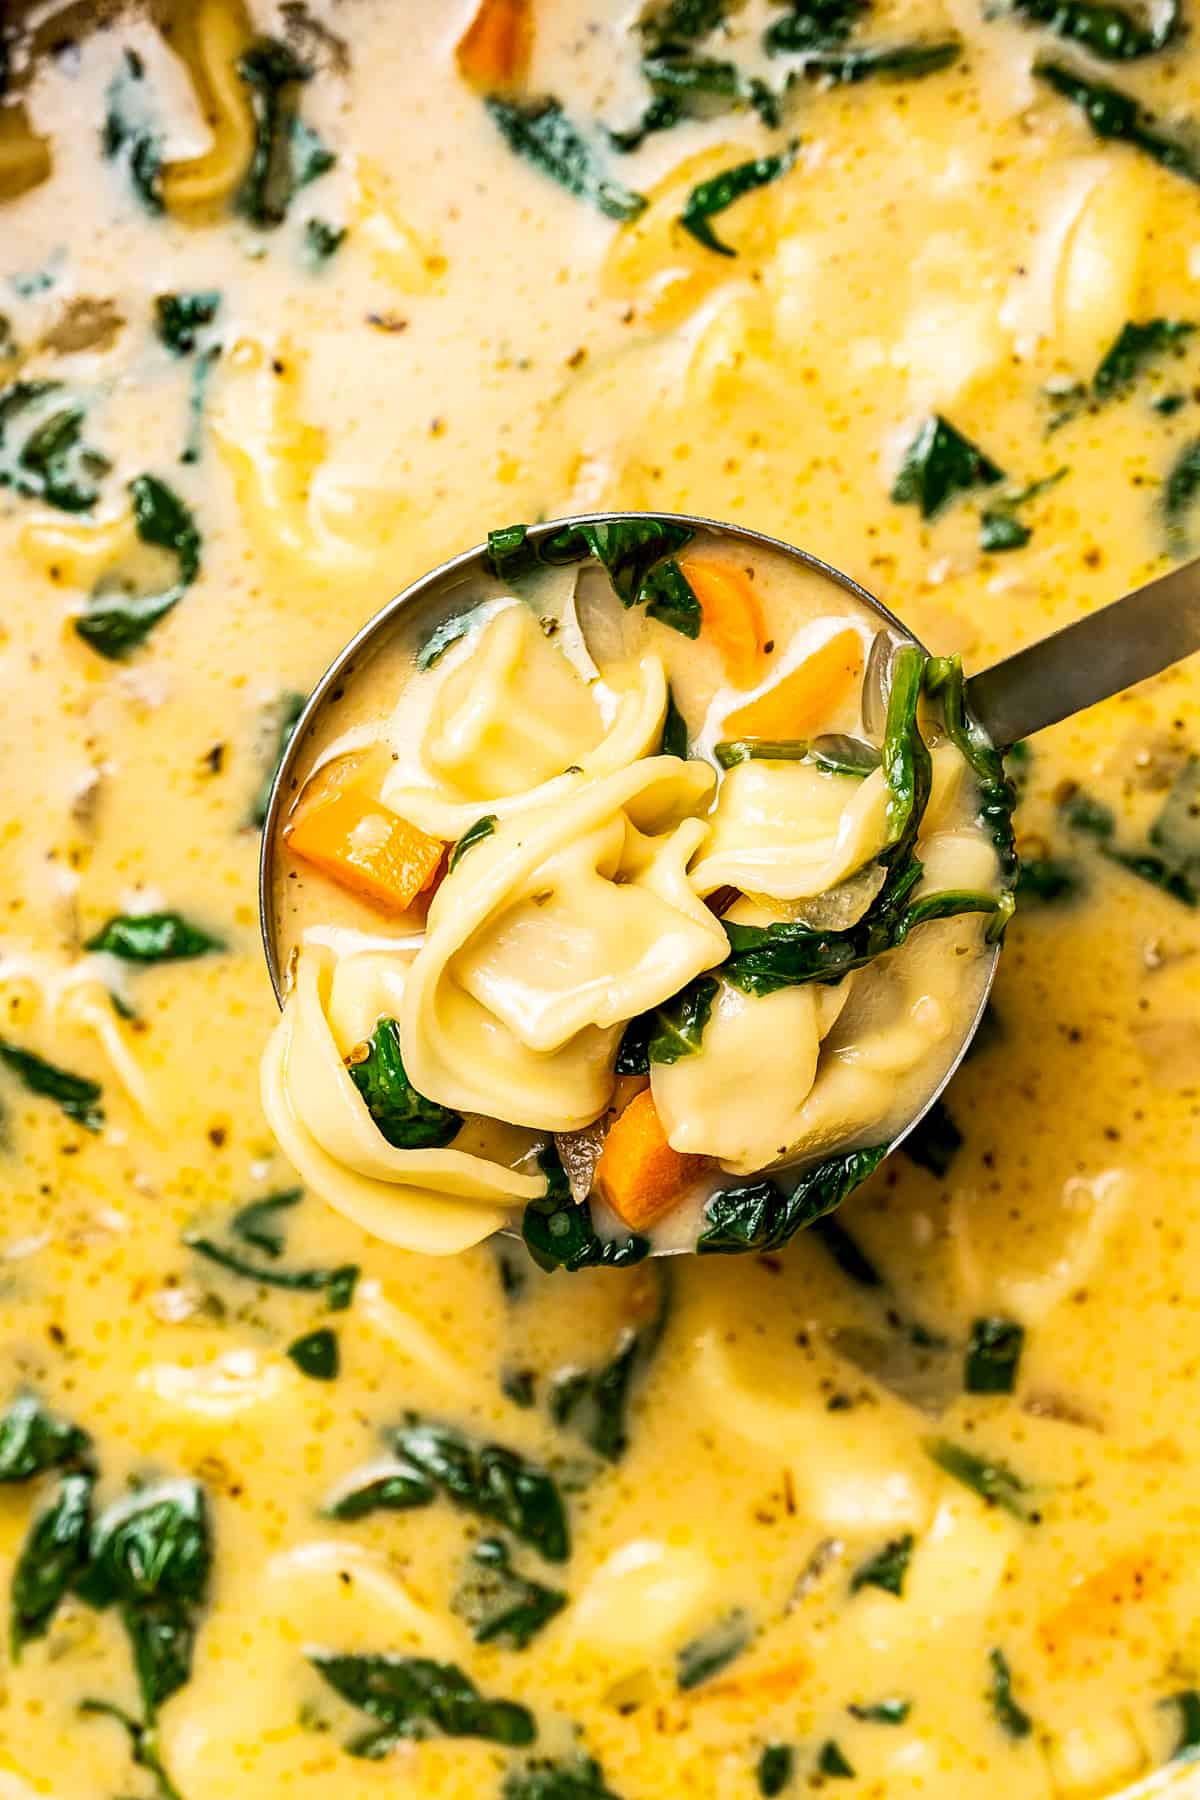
[(472, 561)]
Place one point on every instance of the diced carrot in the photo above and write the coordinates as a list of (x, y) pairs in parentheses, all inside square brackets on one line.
[(638, 1173), (733, 618), (494, 51), (1101, 1605), (803, 700), (778, 1682), (343, 828)]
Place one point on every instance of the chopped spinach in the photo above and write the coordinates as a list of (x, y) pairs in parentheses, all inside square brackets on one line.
[(631, 551), (721, 191), (835, 753), (499, 1605), (316, 1354), (179, 318), (53, 1555), (580, 1779), (559, 1233), (891, 1711), (832, 1762), (116, 622), (887, 1568), (679, 1025), (668, 597), (280, 719), (150, 1556), (322, 240), (130, 132), (776, 1767), (51, 462), (1107, 31), (1175, 833), (393, 1486), (891, 62), (761, 1217), (944, 678), (143, 1741), (451, 630), (1172, 859), (705, 1656), (814, 25), (404, 1117), (674, 732), (940, 463), (1000, 529), (594, 1404), (474, 834), (409, 1694), (1011, 1718), (33, 1440), (993, 1356), (202, 369), (935, 1141), (519, 1386), (1117, 117), (255, 1223), (337, 1284), (152, 938), (1187, 1750), (1134, 347), (287, 154), (491, 1481), (1180, 492), (986, 1476), (1048, 881), (680, 21), (78, 1097), (846, 1252), (541, 132)]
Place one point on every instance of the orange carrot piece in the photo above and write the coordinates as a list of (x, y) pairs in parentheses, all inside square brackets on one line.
[(1101, 1605), (733, 617), (638, 1173), (343, 829), (494, 51), (802, 701)]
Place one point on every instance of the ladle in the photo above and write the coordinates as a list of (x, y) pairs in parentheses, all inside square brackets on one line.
[(1086, 662)]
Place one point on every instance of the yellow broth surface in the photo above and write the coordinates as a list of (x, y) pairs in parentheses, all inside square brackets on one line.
[(482, 347)]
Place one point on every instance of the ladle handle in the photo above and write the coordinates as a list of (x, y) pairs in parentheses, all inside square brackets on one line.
[(1148, 630)]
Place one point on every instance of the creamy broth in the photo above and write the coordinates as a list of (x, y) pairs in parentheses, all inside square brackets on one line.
[(484, 347)]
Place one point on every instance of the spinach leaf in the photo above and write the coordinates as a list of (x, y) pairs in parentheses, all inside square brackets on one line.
[(905, 760), (287, 154), (1011, 1718), (316, 1354), (580, 1779), (633, 1052), (393, 1486), (51, 1558), (668, 596), (404, 1117), (1179, 494), (130, 133), (78, 1097), (519, 1386), (776, 1767), (732, 751), (116, 622), (202, 368), (510, 554), (986, 1476), (706, 1655), (594, 1403), (150, 1556), (815, 25), (1000, 529), (1047, 881), (152, 938), (832, 1762), (935, 1141), (688, 81), (1172, 860), (491, 1481), (890, 62), (499, 1605), (33, 1440), (993, 1356), (760, 1217), (408, 1694), (849, 1256), (559, 1234), (474, 834), (940, 463), (629, 549), (451, 630), (541, 132), (179, 318), (675, 732), (882, 1712), (1134, 347), (1117, 117), (997, 796), (51, 462), (834, 752), (1187, 1750), (1111, 33), (144, 1744), (680, 21), (679, 1025), (721, 191), (337, 1284), (323, 240), (280, 720), (887, 1568), (255, 1224)]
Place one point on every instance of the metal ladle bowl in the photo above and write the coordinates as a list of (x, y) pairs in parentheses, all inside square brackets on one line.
[(1089, 661)]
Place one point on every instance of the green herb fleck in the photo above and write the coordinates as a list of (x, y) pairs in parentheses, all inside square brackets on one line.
[(891, 1711), (887, 1568), (316, 1354), (323, 240), (993, 1356), (388, 1486), (130, 133), (940, 463), (1011, 1718), (832, 1762), (179, 318), (776, 1766), (474, 834), (255, 1223)]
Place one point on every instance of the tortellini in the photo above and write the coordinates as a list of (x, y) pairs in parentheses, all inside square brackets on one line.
[(554, 932), (790, 830), (436, 1200), (509, 725)]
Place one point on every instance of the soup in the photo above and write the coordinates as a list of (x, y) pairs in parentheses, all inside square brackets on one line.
[(905, 1508), (634, 925)]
